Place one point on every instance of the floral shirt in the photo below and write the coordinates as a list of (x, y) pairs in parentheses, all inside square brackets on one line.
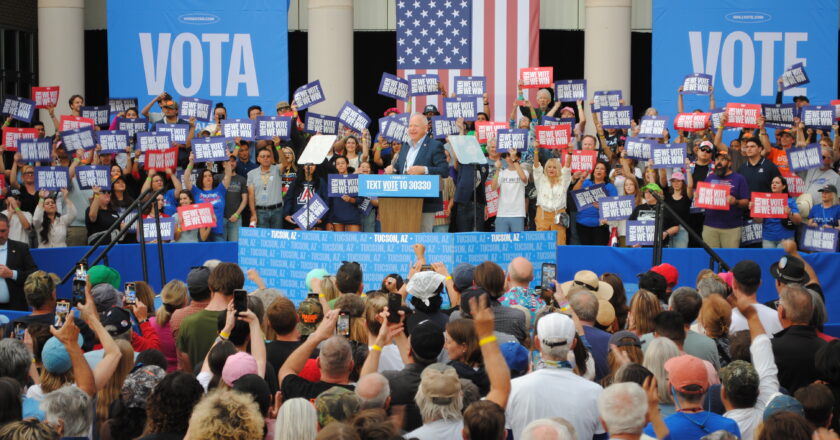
[(527, 298)]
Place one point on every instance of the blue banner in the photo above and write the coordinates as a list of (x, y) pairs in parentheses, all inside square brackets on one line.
[(234, 52), (398, 185), (745, 45)]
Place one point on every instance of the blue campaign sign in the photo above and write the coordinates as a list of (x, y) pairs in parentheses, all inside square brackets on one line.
[(398, 185), (745, 45), (220, 50)]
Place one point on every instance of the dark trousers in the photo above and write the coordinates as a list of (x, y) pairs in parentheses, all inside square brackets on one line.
[(469, 216), (597, 236)]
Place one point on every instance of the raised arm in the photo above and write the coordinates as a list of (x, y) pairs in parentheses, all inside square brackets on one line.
[(69, 337), (762, 134), (711, 97), (257, 339), (191, 132), (145, 111), (111, 359), (296, 361), (680, 105), (387, 332), (494, 362)]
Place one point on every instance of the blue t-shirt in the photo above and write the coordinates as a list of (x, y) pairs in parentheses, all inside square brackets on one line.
[(825, 216), (589, 216), (693, 426), (170, 205), (215, 197), (772, 229)]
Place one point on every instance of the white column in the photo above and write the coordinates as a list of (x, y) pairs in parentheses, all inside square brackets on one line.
[(606, 56), (330, 51), (61, 50)]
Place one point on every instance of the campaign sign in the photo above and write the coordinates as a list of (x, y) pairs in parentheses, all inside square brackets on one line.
[(459, 107), (51, 178), (45, 97), (549, 120), (398, 185), (616, 117), (239, 128), (340, 184), (750, 232), (836, 104), (804, 158), (320, 124), (668, 155), (616, 208), (470, 85), (554, 136), (817, 116), (716, 119), (35, 150), (393, 86), (200, 109), (424, 84), (196, 216), (606, 98), (309, 94), (795, 76), (69, 122), (486, 130), (443, 127), (584, 161), (353, 117), (132, 126), (652, 126), (364, 206), (796, 186), (570, 90), (586, 197), (638, 149), (778, 115), (161, 160), (692, 121), (11, 135), (742, 115), (393, 128), (697, 84), (768, 205), (640, 232), (536, 77), (210, 149), (99, 114), (712, 196), (150, 231), (178, 131), (154, 141), (819, 239), (118, 105), (508, 139), (78, 139), (270, 126), (308, 216), (492, 197), (18, 108), (95, 175)]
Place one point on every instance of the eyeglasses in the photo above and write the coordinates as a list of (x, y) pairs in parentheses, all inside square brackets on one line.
[(706, 150)]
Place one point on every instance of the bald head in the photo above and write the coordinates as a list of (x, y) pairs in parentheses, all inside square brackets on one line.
[(373, 390), (521, 271), (417, 127)]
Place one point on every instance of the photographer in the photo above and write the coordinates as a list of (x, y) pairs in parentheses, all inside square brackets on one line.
[(511, 183)]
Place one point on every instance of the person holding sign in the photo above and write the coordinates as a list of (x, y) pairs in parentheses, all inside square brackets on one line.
[(28, 194), (647, 211), (678, 197), (185, 198), (590, 230), (774, 231), (156, 182), (100, 215), (50, 225), (76, 102), (20, 221), (552, 190), (510, 182), (306, 185), (345, 216), (827, 213), (722, 228), (205, 192)]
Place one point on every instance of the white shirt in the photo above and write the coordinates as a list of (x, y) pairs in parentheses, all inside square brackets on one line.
[(439, 430), (511, 194), (768, 317), (749, 419), (551, 197), (390, 358), (16, 231), (553, 392), (411, 154)]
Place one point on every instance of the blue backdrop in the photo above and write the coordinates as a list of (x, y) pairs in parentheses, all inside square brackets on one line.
[(745, 45), (228, 51)]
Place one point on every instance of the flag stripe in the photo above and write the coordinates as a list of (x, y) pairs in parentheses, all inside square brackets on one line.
[(534, 28), (512, 62), (489, 52)]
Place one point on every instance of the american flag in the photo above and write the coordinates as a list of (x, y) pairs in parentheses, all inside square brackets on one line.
[(491, 38)]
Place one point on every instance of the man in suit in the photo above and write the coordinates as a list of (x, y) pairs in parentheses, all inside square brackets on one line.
[(422, 155), (16, 264)]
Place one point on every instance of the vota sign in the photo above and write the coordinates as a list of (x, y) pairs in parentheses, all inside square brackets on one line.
[(745, 45), (225, 51)]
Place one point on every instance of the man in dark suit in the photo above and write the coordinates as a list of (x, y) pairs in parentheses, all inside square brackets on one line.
[(16, 264), (422, 155)]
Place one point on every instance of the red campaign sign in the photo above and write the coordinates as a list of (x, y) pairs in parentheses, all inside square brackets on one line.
[(69, 122), (11, 135), (554, 136), (712, 196), (486, 130), (692, 121), (45, 97), (199, 215), (796, 186), (584, 160), (492, 196), (161, 160), (836, 104), (768, 205), (536, 77), (742, 115)]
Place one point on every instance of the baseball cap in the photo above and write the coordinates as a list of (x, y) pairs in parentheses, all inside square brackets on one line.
[(625, 338), (652, 187), (238, 365), (678, 175), (423, 285), (310, 313), (336, 404), (257, 387), (783, 402), (315, 273), (14, 193), (669, 272), (282, 104), (116, 320), (567, 109), (139, 384), (103, 274), (430, 109), (440, 383), (427, 340), (685, 371), (788, 270), (556, 329), (463, 276), (786, 132), (105, 296), (197, 281), (707, 146), (828, 188), (516, 356), (589, 280), (54, 356), (169, 104), (391, 110), (739, 377), (747, 272)]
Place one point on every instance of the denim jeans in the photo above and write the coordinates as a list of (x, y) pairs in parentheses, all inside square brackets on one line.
[(680, 239), (510, 224), (232, 229), (773, 244), (270, 218)]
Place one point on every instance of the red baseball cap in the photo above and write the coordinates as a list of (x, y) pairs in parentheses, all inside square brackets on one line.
[(669, 272), (687, 370)]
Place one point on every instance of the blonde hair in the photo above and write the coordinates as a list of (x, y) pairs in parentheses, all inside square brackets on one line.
[(111, 390), (329, 289), (556, 179), (51, 381), (659, 350), (225, 414), (715, 316), (643, 308), (145, 294), (174, 294)]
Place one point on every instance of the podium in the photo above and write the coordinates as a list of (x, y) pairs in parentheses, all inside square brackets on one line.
[(400, 198)]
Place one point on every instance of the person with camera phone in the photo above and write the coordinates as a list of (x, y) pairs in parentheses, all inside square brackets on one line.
[(511, 183)]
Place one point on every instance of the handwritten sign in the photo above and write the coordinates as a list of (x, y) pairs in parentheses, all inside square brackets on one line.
[(308, 216), (309, 94), (509, 139), (819, 239), (616, 208), (470, 85), (818, 116), (69, 122), (751, 232), (794, 77), (270, 126), (697, 84), (11, 136), (692, 121), (210, 149), (132, 125), (196, 216), (150, 231), (536, 77), (778, 115), (393, 86), (554, 136), (742, 115), (639, 149), (45, 97), (640, 232), (96, 175), (712, 196), (443, 126), (668, 155), (606, 98), (98, 113), (112, 141), (570, 90), (424, 84), (353, 117), (398, 185), (78, 139), (161, 160), (652, 126), (35, 150), (200, 109), (768, 205), (586, 197), (51, 178), (616, 117), (339, 185), (19, 108), (178, 131), (459, 107), (486, 130), (121, 105), (320, 124), (393, 128), (239, 128), (154, 141), (584, 160)]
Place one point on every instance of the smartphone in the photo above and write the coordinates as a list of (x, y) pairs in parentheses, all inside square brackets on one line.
[(79, 283), (549, 273), (62, 309), (130, 294), (394, 303), (342, 326), (426, 268), (240, 300), (20, 329), (313, 295)]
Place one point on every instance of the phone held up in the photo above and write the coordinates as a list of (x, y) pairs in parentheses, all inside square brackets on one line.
[(240, 300), (62, 309), (342, 326), (79, 283), (394, 303), (130, 294)]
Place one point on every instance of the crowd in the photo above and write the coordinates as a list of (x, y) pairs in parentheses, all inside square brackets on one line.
[(471, 353)]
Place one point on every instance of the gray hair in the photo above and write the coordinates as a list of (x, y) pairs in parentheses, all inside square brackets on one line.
[(545, 429), (720, 435), (369, 384), (820, 315), (658, 351), (585, 304), (15, 360), (336, 355), (71, 406), (623, 406), (798, 303), (297, 420), (430, 411), (267, 295), (544, 92), (708, 286)]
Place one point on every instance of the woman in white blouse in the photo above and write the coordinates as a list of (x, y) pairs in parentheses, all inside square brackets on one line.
[(51, 226), (552, 185)]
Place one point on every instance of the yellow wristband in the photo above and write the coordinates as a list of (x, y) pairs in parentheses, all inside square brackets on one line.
[(321, 295), (375, 347), (224, 335), (448, 278), (487, 340)]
